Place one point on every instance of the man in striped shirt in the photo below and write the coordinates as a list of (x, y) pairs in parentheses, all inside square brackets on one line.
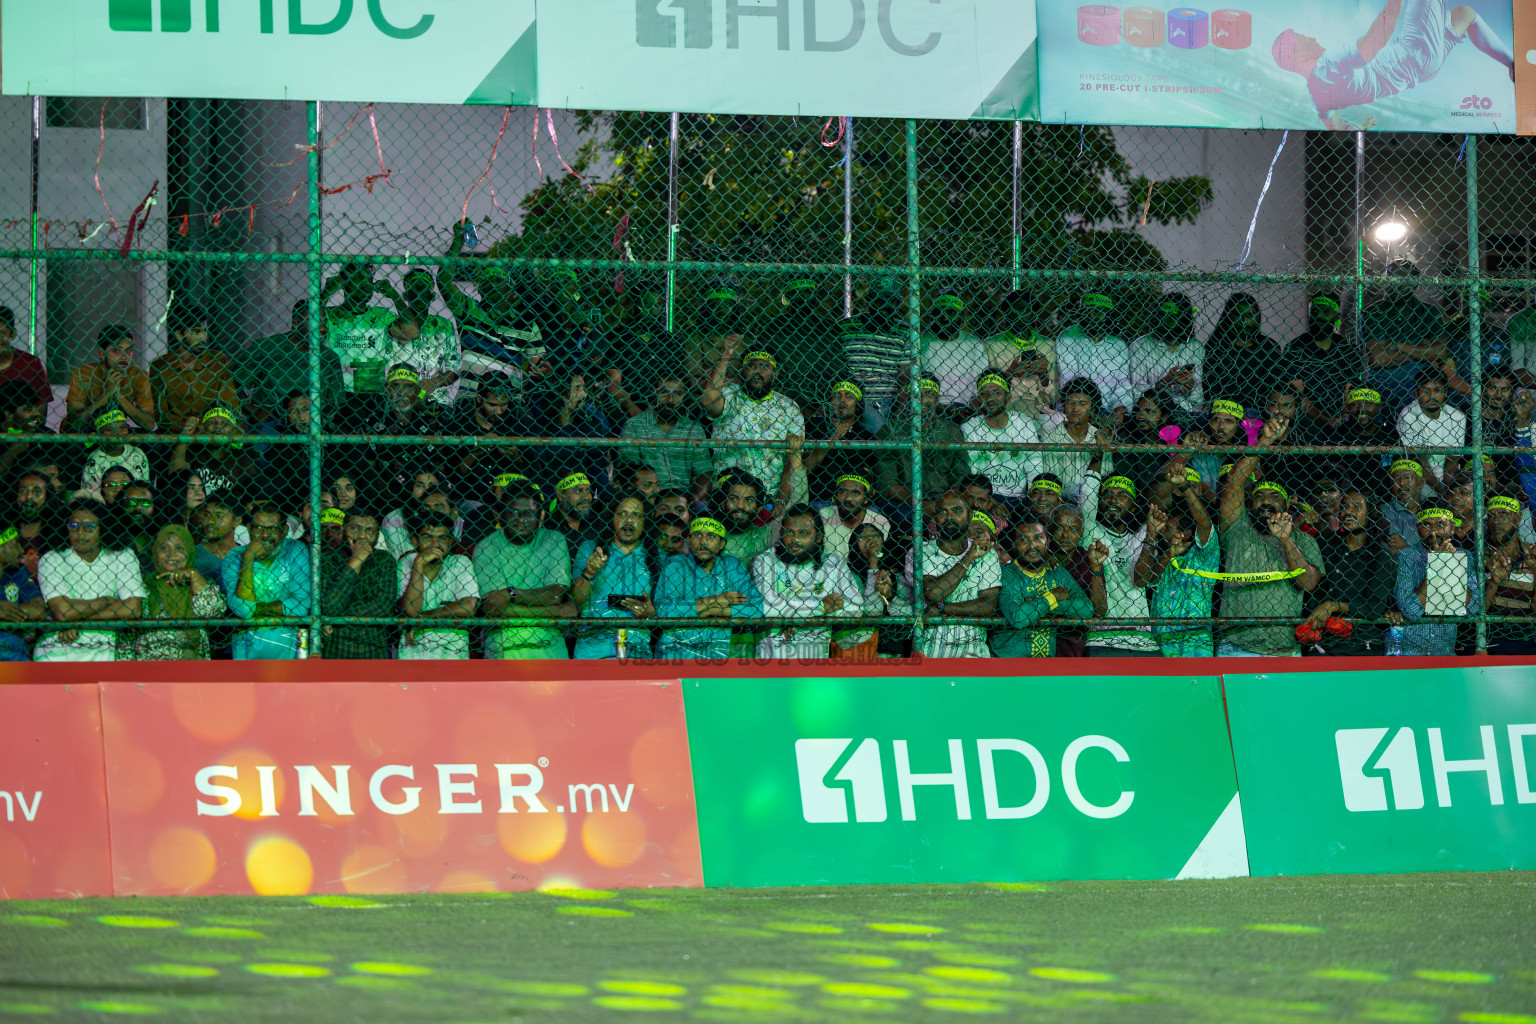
[(961, 578)]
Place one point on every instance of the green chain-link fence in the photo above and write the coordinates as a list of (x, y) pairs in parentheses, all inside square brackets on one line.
[(695, 386)]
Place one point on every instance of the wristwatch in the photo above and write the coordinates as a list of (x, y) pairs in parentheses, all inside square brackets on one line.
[(511, 595)]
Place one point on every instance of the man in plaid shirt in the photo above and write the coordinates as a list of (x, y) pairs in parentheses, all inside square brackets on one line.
[(359, 580)]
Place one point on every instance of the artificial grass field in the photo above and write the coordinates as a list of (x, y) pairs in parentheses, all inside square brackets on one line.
[(1391, 948)]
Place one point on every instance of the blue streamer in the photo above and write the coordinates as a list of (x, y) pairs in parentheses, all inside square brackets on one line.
[(1248, 242)]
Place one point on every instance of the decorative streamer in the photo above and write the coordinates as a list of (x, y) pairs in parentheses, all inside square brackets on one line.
[(141, 212), (505, 118), (305, 150), (842, 130), (549, 121), (102, 148), (1248, 242)]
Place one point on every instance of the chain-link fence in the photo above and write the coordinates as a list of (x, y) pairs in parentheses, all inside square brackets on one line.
[(356, 381)]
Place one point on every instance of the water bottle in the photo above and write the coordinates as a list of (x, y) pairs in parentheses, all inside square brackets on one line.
[(1394, 640)]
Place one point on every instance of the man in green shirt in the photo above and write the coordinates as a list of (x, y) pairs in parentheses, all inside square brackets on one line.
[(1037, 587), (524, 573), (1178, 589), (274, 367)]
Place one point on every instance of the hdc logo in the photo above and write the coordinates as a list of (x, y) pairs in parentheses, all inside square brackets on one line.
[(834, 774), (1368, 761), (656, 24), (176, 16)]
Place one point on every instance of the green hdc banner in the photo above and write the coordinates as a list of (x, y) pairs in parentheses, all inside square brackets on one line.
[(935, 779)]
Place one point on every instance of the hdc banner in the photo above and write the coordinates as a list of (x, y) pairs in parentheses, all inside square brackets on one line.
[(1408, 65), (389, 787), (914, 779), (1428, 770)]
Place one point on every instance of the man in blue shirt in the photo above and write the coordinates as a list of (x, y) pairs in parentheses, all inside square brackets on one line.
[(20, 598), (705, 583), (617, 578), (268, 579)]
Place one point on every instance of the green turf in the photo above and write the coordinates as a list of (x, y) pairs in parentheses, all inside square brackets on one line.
[(1410, 949)]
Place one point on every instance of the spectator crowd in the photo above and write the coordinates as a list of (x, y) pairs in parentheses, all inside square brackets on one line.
[(748, 486)]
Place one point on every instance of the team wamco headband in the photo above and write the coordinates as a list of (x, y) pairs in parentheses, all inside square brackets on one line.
[(218, 412), (1502, 502), (574, 480), (850, 387), (704, 524), (404, 373), (766, 357), (993, 378), (1435, 513), (10, 533), (928, 384), (854, 478), (1122, 482), (985, 520), (106, 419), (1046, 485), (953, 302), (1363, 395), (1098, 300), (1324, 302), (332, 517), (1233, 409), (1270, 485), (1240, 577), (506, 478), (1409, 465)]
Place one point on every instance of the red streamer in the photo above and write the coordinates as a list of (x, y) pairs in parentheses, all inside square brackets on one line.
[(141, 212), (100, 149), (304, 150), (464, 214), (842, 130), (549, 120)]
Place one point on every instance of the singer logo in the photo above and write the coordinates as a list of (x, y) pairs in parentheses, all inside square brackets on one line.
[(176, 16), (657, 22), (1371, 763)]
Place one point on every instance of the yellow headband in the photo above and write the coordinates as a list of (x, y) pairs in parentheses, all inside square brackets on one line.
[(1502, 501), (404, 373), (766, 357), (1270, 485), (1192, 475), (329, 516), (574, 480), (1408, 464), (1029, 344), (1226, 467), (1099, 300), (1047, 485), (1233, 409), (985, 520), (506, 478), (1122, 482), (1363, 395), (993, 378), (218, 412), (949, 302), (106, 419), (850, 387), (1436, 513), (704, 524), (928, 384), (9, 535), (854, 477)]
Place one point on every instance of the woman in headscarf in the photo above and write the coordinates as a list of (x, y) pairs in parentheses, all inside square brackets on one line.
[(176, 591)]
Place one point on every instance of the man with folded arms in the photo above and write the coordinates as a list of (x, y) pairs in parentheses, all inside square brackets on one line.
[(704, 583)]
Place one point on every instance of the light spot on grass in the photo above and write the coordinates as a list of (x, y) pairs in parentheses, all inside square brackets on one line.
[(803, 928), (973, 975), (963, 1005), (639, 1003), (1350, 974), (860, 960), (1071, 974), (772, 977), (137, 921), (223, 933), (855, 990), (289, 970), (393, 970), (1498, 1018), (1456, 977), (349, 902), (906, 928), (644, 988), (577, 911), (177, 971), (1017, 886), (130, 1009), (1285, 929), (35, 921), (580, 894), (651, 904)]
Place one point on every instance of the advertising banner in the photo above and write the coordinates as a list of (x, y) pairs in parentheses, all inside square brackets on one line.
[(1408, 65), (859, 58), (938, 779), (53, 835), (1429, 770), (296, 788), (431, 51)]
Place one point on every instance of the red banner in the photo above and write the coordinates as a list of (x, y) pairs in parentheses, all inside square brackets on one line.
[(288, 788), (53, 832), (1525, 67)]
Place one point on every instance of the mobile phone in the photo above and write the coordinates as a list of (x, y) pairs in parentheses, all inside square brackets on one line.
[(617, 600)]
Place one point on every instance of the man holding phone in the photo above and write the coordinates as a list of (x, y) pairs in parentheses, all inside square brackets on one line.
[(618, 576)]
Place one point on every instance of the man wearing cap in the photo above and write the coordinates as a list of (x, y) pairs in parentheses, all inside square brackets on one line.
[(704, 583), (944, 461), (1036, 587), (1109, 519), (1401, 509), (1428, 422), (112, 451), (961, 578), (1434, 577), (1088, 349), (951, 354), (1259, 537), (841, 422), (1319, 364), (20, 598), (849, 511), (524, 572), (573, 507), (1365, 422), (750, 411), (687, 469), (1009, 470), (1169, 357)]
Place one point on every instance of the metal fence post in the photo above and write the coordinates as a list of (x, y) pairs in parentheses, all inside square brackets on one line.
[(672, 225), (1018, 174), (313, 245), (914, 383), (1475, 356), (848, 219), (34, 269)]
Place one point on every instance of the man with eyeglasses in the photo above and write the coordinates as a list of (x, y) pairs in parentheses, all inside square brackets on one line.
[(524, 573), (677, 468), (268, 579), (87, 582)]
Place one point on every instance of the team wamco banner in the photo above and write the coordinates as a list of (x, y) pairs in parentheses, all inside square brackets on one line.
[(403, 51), (863, 58), (1428, 770), (914, 779), (1408, 65)]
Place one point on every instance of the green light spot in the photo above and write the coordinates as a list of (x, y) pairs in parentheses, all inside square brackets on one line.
[(750, 1005), (35, 921), (756, 992), (640, 1003), (963, 1005), (376, 984), (27, 1009), (1349, 974), (860, 1005), (580, 894), (1071, 974), (135, 921), (594, 912), (1285, 929), (860, 960), (1194, 929), (1456, 977), (288, 970), (803, 928), (395, 970), (977, 958), (904, 928), (772, 977), (1017, 887), (223, 933), (1498, 1018), (177, 971), (974, 975), (133, 1009), (354, 902), (643, 988), (554, 989), (859, 991)]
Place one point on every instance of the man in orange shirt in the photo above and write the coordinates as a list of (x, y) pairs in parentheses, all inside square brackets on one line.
[(110, 382), (190, 379)]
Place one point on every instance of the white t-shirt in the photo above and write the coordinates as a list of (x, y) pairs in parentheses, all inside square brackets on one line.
[(98, 462), (1151, 359), (1069, 466), (955, 363), (65, 574), (1107, 363), (837, 537), (1010, 472), (797, 591), (745, 419), (1417, 430), (985, 573), (454, 582)]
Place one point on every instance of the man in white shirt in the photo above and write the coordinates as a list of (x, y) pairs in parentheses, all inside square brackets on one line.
[(86, 582), (951, 354), (961, 578), (1009, 471), (1427, 422), (1089, 350), (1108, 518), (750, 411), (1169, 356), (849, 511)]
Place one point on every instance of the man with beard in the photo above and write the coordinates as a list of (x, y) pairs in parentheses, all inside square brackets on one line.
[(400, 412), (618, 577), (1066, 530), (849, 511), (1223, 428), (704, 583), (37, 523), (1035, 587), (1179, 548), (1009, 470), (740, 497), (672, 535), (269, 578), (362, 581), (1511, 582), (1434, 577), (214, 523), (524, 573), (677, 468), (1427, 422), (1401, 509), (841, 421), (961, 578), (189, 379), (221, 467), (333, 523), (135, 522), (1362, 574), (672, 503), (486, 419), (1108, 515), (111, 451), (1365, 422), (1088, 349), (1260, 537), (573, 505), (798, 578), (944, 462), (1320, 364), (750, 411), (22, 412)]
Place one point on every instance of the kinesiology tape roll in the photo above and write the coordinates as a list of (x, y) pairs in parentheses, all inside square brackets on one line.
[(1189, 28), (1145, 27), (1098, 24), (1231, 29)]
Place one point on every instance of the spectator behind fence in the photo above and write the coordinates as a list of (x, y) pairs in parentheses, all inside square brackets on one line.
[(360, 581), (20, 598), (1321, 364), (215, 524), (1169, 358), (1090, 349), (189, 379), (641, 482), (87, 582), (220, 466), (961, 578), (174, 589), (39, 518), (1035, 587), (573, 517), (136, 525), (113, 483), (951, 354), (617, 578), (524, 572), (704, 583), (798, 578), (20, 413), (1066, 535), (112, 425), (427, 342), (1080, 403), (1428, 422), (1110, 518), (1179, 561), (750, 411), (686, 469), (436, 585), (111, 382), (1010, 470), (841, 421), (275, 367), (1362, 575), (268, 579), (671, 535), (865, 552), (1511, 581), (944, 461), (848, 512), (18, 365), (1239, 359), (1434, 577)]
